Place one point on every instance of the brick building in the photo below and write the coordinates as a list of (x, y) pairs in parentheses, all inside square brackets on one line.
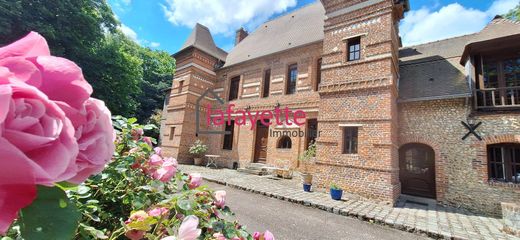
[(390, 119)]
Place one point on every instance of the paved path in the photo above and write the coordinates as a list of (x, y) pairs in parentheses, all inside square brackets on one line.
[(436, 221), (290, 221)]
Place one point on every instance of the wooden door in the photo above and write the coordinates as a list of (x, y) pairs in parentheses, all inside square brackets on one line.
[(417, 170), (261, 143)]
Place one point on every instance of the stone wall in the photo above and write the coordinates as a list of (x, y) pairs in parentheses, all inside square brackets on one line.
[(461, 165)]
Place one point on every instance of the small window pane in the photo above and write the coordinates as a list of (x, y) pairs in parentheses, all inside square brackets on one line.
[(350, 140), (284, 143)]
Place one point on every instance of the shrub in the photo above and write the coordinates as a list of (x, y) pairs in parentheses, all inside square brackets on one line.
[(198, 148)]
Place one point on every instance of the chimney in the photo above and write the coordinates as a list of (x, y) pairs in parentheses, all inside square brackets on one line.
[(240, 35)]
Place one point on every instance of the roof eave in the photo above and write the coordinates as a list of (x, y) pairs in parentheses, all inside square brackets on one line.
[(473, 47)]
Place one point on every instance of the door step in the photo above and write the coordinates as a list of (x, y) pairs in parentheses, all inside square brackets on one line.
[(255, 169)]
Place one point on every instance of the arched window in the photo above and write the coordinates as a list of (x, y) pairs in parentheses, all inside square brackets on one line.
[(504, 162), (284, 142)]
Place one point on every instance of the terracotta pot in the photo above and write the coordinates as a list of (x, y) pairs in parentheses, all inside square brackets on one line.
[(198, 161), (307, 178)]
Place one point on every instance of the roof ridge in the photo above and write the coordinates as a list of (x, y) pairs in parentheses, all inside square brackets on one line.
[(440, 40), (295, 10)]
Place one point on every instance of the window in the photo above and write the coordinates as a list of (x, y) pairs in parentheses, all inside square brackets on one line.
[(500, 83), (233, 88), (284, 142), (354, 49), (228, 138), (504, 162), (312, 132), (172, 133), (267, 82), (292, 77), (181, 83), (318, 75), (350, 140)]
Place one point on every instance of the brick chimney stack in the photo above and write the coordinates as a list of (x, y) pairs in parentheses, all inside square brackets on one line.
[(240, 35)]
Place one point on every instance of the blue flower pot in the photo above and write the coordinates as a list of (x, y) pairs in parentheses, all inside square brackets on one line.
[(307, 187), (336, 194)]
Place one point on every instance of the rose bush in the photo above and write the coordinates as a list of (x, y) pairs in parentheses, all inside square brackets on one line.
[(51, 131), (56, 144), (129, 199)]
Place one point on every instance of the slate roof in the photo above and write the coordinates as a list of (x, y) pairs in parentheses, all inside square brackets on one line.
[(201, 38), (432, 70), (428, 71), (295, 29), (435, 70)]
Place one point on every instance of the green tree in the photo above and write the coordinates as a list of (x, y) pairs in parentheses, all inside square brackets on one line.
[(514, 14), (115, 70), (158, 68), (125, 75)]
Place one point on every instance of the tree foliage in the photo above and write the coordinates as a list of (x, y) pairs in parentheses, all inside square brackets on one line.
[(128, 77), (514, 14)]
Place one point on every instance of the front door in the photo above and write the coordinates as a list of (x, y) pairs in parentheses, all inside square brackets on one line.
[(262, 132), (417, 170)]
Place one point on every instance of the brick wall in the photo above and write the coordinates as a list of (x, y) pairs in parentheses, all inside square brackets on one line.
[(360, 93)]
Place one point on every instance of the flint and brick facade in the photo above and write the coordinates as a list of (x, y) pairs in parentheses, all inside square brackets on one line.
[(396, 98)]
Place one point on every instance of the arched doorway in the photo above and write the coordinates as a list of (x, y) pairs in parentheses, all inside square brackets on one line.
[(417, 170)]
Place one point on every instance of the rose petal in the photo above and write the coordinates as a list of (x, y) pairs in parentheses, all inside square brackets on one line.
[(31, 45)]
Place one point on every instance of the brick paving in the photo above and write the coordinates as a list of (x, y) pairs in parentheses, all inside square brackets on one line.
[(434, 220)]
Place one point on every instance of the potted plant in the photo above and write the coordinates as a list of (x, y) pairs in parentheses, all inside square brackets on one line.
[(335, 192), (305, 159), (198, 149)]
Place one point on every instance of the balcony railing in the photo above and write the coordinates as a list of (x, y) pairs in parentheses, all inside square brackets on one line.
[(497, 98)]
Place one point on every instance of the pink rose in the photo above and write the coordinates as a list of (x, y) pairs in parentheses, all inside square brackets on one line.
[(159, 212), (219, 236), (148, 141), (256, 235), (155, 160), (38, 140), (135, 234), (195, 180), (95, 136), (157, 151), (62, 81), (220, 198), (268, 235), (188, 229), (167, 170)]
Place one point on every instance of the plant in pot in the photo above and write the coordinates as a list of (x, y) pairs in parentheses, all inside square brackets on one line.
[(197, 150), (335, 192), (305, 159)]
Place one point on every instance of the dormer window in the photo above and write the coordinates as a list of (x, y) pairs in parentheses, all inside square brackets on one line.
[(499, 82)]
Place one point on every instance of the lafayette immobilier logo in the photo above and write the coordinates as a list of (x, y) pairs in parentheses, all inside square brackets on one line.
[(218, 117)]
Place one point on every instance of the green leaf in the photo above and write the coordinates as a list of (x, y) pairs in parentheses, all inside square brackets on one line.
[(185, 204), (50, 216), (132, 120)]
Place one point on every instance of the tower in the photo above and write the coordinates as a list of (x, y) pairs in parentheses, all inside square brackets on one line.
[(358, 147), (196, 63)]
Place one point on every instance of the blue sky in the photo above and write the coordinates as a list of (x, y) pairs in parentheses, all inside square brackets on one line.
[(165, 24)]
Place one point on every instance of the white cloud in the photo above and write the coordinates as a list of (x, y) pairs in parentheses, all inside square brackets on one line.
[(126, 2), (426, 25), (226, 16), (154, 44), (130, 33)]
